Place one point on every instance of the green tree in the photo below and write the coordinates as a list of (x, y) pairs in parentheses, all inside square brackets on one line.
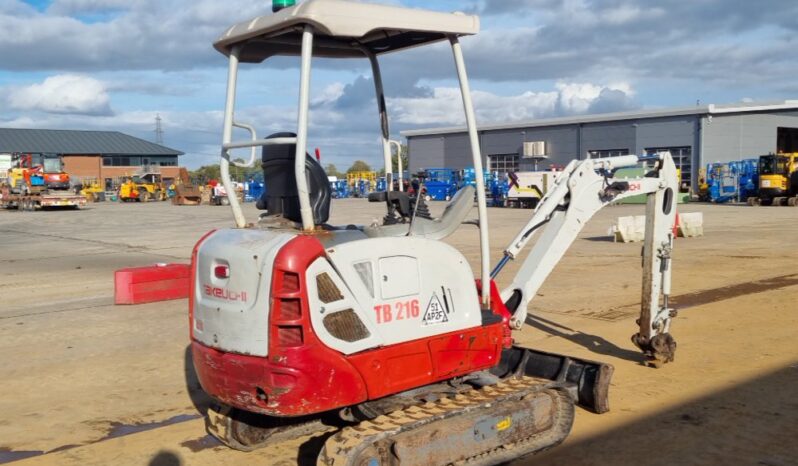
[(332, 170), (205, 173), (243, 174), (359, 166), (405, 159), (212, 172)]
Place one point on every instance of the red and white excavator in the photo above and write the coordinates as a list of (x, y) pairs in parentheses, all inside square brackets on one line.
[(383, 330)]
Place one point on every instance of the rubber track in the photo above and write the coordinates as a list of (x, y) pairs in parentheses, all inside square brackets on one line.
[(339, 448)]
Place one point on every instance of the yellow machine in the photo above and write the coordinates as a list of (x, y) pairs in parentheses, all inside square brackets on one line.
[(778, 180), (703, 185), (361, 183), (148, 187), (353, 177), (24, 176), (92, 190)]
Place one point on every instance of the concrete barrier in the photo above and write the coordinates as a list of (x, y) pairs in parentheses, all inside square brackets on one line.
[(690, 225), (160, 282), (629, 229), (633, 228)]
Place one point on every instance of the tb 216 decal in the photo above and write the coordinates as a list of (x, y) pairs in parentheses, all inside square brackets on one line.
[(437, 310)]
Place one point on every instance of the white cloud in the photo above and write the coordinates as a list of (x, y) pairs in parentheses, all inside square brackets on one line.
[(329, 94), (137, 35), (64, 93), (445, 107), (343, 132)]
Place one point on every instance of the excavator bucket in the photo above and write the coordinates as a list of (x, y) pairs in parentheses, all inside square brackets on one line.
[(187, 195), (590, 379)]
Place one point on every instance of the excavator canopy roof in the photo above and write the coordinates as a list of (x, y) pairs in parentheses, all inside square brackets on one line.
[(342, 28)]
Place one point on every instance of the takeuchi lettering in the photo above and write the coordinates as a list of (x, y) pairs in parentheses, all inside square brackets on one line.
[(225, 294)]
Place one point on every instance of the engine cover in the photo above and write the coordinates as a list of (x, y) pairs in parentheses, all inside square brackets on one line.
[(232, 313), (402, 289)]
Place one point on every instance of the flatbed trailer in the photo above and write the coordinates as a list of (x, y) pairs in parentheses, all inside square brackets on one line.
[(38, 200)]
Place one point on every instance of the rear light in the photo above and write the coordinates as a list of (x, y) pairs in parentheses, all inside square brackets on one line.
[(221, 271), (289, 336)]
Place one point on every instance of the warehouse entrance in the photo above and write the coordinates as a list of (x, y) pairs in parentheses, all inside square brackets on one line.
[(787, 140), (682, 158)]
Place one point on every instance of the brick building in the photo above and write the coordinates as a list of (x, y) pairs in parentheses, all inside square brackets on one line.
[(102, 155)]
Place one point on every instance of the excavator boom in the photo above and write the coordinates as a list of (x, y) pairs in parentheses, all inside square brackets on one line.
[(584, 188)]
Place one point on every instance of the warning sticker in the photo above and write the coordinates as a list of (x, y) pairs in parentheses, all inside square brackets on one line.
[(435, 313)]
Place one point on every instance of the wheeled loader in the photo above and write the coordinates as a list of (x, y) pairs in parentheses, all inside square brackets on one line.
[(383, 330)]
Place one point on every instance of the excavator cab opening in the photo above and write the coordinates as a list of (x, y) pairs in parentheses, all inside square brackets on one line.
[(53, 171)]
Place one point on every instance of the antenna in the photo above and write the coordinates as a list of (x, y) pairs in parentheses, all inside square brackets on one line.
[(158, 129)]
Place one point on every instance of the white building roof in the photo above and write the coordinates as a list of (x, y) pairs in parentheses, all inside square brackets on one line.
[(341, 28), (710, 109)]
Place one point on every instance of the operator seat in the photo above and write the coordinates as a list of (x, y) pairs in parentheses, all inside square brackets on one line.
[(453, 215), (280, 195)]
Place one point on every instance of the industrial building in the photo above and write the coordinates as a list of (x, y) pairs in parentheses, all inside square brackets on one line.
[(99, 155), (694, 136)]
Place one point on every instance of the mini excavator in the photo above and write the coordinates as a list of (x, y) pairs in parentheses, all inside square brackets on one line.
[(383, 330)]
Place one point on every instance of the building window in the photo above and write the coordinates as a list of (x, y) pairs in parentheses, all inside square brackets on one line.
[(604, 153), (682, 158), (503, 163), (133, 161), (162, 161)]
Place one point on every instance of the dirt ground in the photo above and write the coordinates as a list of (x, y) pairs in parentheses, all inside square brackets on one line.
[(86, 382)]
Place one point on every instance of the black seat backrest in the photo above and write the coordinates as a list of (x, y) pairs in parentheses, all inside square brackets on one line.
[(280, 196)]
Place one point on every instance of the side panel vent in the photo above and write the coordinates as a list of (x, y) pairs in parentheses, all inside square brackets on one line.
[(290, 282), (328, 292), (290, 309), (346, 325), (289, 336)]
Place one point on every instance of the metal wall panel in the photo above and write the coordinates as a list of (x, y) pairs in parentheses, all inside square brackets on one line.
[(664, 132), (741, 136), (503, 142), (561, 145), (425, 152), (606, 136), (457, 152)]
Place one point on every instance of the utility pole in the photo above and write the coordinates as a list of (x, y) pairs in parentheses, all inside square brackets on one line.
[(158, 130)]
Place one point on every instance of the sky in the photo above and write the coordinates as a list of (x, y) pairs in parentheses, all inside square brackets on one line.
[(116, 64)]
